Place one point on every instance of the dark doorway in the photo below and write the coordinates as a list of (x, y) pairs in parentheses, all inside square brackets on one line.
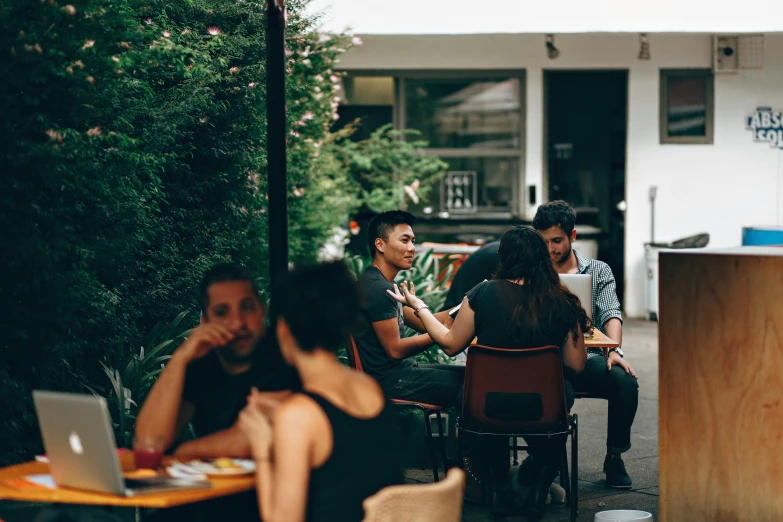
[(585, 142)]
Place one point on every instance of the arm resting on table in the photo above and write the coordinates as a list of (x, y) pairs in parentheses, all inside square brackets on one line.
[(226, 443), (164, 412), (388, 333), (614, 330)]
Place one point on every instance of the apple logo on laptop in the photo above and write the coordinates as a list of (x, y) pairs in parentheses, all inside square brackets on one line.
[(76, 443)]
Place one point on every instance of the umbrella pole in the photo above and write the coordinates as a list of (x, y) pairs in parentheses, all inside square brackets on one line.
[(276, 139)]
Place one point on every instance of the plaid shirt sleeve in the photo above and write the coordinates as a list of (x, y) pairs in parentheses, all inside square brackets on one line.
[(605, 303)]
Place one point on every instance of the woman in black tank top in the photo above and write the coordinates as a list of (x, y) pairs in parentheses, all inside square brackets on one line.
[(524, 306), (325, 450)]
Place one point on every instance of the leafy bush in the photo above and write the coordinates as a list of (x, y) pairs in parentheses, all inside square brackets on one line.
[(132, 141), (388, 168), (131, 374)]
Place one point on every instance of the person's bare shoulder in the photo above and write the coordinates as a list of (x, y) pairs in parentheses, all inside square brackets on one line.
[(367, 382), (297, 411)]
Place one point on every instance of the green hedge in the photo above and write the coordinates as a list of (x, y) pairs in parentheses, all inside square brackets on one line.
[(132, 142)]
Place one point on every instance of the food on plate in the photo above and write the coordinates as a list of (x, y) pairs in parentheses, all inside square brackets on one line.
[(225, 463)]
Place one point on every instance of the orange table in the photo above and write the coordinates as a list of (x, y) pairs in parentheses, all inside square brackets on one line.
[(11, 489), (597, 340), (600, 340)]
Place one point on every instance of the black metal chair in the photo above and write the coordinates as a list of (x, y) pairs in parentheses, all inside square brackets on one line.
[(427, 409)]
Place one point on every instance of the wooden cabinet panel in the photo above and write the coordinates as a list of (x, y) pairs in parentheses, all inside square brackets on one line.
[(721, 385)]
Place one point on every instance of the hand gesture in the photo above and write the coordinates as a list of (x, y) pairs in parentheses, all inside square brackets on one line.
[(614, 358), (406, 297), (267, 402), (204, 339), (256, 428)]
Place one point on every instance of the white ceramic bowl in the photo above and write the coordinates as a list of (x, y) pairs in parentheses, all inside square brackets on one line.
[(623, 515)]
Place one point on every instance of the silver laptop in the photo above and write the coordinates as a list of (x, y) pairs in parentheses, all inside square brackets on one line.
[(581, 285), (79, 440)]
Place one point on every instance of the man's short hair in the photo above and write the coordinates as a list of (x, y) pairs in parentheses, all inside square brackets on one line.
[(222, 273), (557, 213), (383, 224)]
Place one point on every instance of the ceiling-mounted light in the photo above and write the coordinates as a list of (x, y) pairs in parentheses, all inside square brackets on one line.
[(644, 47), (551, 50)]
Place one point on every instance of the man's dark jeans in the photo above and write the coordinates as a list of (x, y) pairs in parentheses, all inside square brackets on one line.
[(620, 389), (439, 384)]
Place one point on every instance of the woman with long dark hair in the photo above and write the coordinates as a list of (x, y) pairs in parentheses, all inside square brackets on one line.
[(524, 306)]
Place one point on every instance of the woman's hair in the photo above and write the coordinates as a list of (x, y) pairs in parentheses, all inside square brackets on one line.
[(548, 307), (319, 303)]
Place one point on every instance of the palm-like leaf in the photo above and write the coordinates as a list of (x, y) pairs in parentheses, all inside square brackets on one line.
[(133, 372)]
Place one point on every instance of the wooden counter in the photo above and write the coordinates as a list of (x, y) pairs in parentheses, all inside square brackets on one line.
[(721, 384)]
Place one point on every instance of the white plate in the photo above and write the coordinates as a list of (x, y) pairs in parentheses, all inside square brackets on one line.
[(244, 467)]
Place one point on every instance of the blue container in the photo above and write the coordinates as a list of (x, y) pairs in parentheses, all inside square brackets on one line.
[(762, 236)]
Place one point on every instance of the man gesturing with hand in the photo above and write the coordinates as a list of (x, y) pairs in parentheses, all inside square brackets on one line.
[(208, 378)]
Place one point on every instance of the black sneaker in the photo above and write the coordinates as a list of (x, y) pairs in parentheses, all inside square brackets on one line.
[(616, 476)]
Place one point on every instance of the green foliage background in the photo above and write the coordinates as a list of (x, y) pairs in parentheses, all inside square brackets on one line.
[(132, 141), (381, 166), (132, 144)]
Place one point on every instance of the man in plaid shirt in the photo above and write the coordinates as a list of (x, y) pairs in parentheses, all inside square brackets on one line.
[(609, 377)]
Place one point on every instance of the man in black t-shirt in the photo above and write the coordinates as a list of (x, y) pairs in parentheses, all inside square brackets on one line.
[(210, 375), (384, 353), (480, 265), (217, 397)]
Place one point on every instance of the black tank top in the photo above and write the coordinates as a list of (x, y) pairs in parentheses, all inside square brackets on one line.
[(365, 459)]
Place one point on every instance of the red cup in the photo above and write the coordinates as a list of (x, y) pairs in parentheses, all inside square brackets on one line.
[(147, 459), (148, 452)]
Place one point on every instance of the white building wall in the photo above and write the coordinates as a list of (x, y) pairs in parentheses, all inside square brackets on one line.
[(715, 188)]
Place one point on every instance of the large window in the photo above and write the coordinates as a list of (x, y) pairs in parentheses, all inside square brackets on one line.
[(687, 106), (473, 120), (465, 114), (370, 99)]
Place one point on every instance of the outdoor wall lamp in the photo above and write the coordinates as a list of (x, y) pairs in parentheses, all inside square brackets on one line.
[(551, 50), (644, 47)]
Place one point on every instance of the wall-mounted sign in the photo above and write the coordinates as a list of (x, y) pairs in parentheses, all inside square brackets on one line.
[(459, 192), (767, 126), (564, 151)]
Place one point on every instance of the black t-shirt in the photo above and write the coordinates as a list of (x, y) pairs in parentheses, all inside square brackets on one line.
[(493, 303), (218, 397), (479, 265), (376, 305)]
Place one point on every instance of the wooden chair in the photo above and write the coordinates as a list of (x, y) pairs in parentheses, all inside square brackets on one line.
[(441, 502), (427, 409), (519, 393)]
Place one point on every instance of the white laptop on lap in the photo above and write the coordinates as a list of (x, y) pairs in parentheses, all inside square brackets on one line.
[(79, 440), (581, 285)]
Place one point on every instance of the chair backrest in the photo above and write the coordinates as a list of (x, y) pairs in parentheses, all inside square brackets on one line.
[(353, 355), (437, 502), (514, 390)]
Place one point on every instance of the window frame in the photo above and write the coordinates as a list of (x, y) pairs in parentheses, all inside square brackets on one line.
[(518, 205), (709, 101)]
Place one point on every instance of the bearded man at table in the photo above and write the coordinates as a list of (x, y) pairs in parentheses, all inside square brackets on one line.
[(208, 379)]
